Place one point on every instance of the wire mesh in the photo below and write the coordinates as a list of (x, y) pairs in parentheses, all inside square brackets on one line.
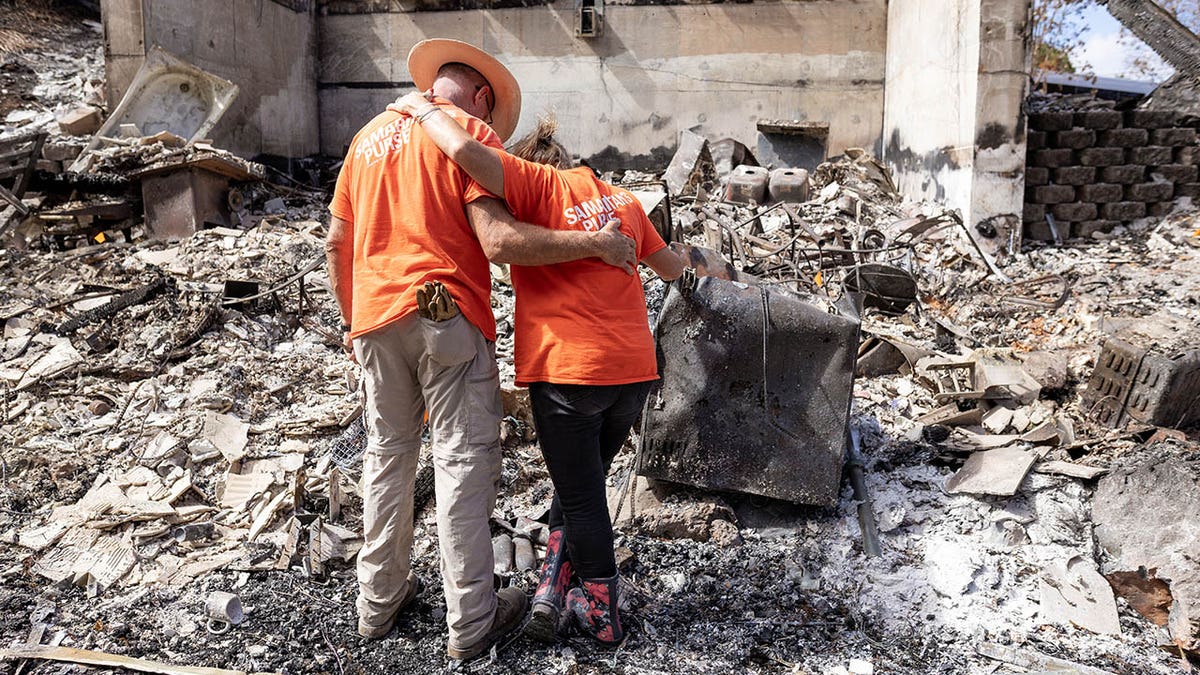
[(347, 448)]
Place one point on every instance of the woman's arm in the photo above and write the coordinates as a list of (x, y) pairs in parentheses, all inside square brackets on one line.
[(666, 263), (474, 157)]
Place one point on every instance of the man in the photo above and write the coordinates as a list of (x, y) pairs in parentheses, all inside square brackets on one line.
[(404, 215)]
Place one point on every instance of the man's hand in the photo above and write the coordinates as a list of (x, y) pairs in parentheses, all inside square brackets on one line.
[(411, 102), (348, 347), (615, 248)]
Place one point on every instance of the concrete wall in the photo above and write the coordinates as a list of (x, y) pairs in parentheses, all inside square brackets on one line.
[(268, 49), (715, 69), (949, 121), (953, 125)]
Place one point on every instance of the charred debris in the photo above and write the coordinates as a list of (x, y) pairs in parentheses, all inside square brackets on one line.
[(903, 453)]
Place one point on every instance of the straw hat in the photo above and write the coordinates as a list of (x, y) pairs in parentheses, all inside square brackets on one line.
[(427, 56)]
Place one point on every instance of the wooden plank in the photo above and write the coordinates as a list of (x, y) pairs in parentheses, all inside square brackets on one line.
[(16, 140), (92, 658), (34, 153), (7, 172), (12, 199), (15, 155)]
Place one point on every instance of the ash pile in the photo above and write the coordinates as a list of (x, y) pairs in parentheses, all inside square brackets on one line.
[(875, 447)]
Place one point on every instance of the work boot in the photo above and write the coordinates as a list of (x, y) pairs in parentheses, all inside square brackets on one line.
[(594, 606), (510, 609), (375, 631), (551, 591)]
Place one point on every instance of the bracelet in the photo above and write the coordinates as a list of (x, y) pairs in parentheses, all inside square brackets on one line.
[(345, 328), (428, 111)]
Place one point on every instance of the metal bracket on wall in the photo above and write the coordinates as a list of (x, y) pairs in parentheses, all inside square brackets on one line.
[(589, 18)]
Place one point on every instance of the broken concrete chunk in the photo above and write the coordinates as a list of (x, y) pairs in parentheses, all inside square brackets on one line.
[(515, 401), (1145, 513), (58, 151), (1035, 662), (241, 489), (61, 357), (206, 392), (965, 440), (724, 533), (992, 472), (663, 510), (997, 419), (1001, 376), (337, 543), (1148, 371), (82, 121), (226, 434), (692, 167), (1071, 469), (1074, 593), (39, 538), (1048, 369), (162, 448)]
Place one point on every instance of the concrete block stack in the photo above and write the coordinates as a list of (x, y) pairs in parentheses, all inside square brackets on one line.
[(1092, 170)]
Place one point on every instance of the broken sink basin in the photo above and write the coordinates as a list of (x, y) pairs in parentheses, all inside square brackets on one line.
[(167, 94)]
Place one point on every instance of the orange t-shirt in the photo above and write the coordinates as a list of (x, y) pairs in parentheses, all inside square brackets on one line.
[(580, 322), (405, 201)]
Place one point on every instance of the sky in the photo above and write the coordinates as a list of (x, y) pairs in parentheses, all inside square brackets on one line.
[(1107, 53)]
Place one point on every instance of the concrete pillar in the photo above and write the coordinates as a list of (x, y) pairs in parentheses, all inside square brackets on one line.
[(124, 45), (954, 126)]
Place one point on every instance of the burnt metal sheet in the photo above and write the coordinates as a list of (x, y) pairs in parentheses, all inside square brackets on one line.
[(792, 143), (755, 393), (887, 288), (181, 202)]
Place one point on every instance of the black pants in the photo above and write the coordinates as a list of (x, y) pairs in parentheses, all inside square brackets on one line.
[(581, 428)]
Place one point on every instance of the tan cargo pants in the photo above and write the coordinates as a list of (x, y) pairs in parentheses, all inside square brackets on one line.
[(450, 369)]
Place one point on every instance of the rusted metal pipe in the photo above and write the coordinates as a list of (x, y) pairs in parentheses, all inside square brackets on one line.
[(866, 515)]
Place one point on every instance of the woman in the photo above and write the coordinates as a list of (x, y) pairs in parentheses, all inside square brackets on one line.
[(583, 347)]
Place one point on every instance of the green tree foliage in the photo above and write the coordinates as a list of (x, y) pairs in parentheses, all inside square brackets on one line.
[(1056, 33)]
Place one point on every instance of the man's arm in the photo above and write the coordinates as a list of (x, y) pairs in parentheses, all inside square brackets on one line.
[(339, 262), (506, 240), (477, 159)]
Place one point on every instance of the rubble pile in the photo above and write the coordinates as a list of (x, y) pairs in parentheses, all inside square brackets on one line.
[(177, 422), (977, 381)]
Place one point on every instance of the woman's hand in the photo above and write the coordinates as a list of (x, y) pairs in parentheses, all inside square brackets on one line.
[(412, 102)]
